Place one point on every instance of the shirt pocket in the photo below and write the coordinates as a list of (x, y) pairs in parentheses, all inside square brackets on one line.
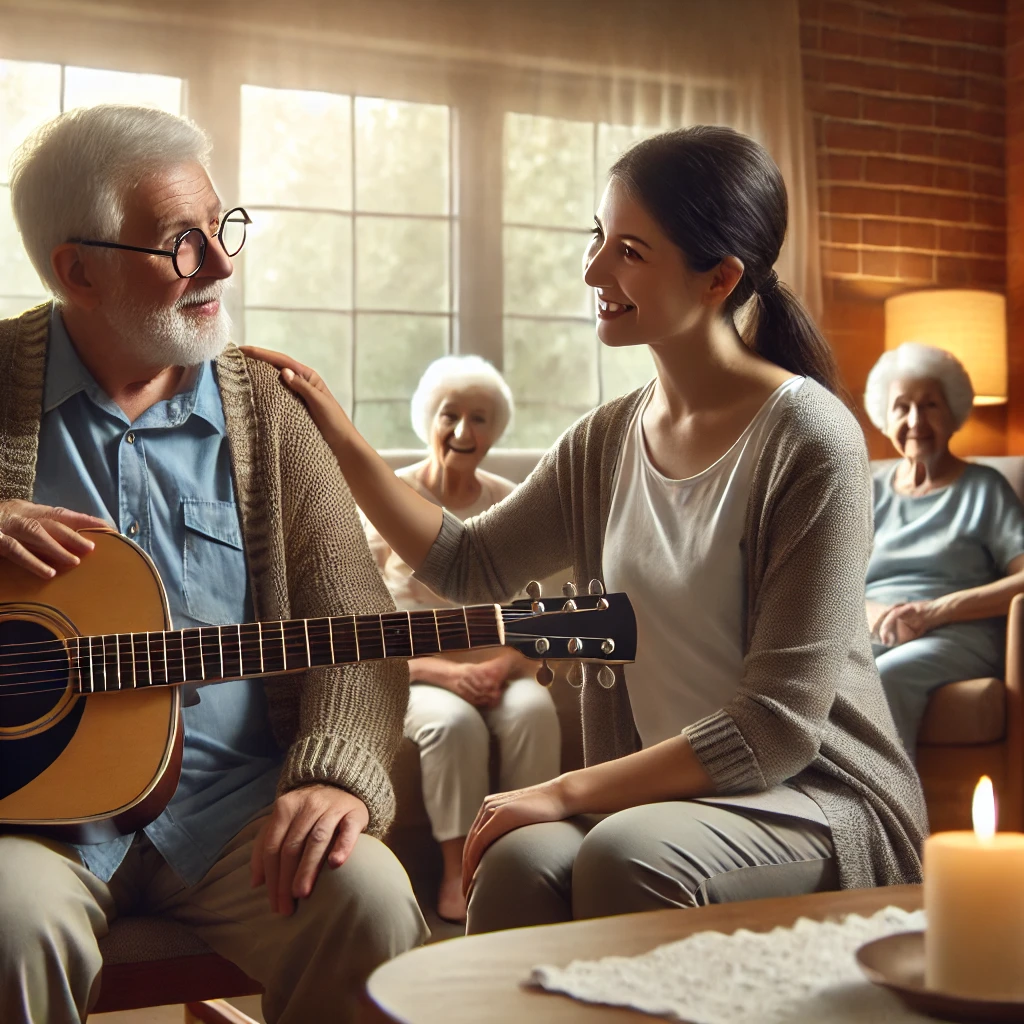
[(214, 572)]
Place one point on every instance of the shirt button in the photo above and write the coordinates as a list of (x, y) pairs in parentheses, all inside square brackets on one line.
[(130, 438), (133, 529)]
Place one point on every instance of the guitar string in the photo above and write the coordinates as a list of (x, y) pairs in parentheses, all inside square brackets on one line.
[(66, 665), (508, 615)]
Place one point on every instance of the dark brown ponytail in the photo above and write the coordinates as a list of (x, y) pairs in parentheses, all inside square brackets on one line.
[(718, 193)]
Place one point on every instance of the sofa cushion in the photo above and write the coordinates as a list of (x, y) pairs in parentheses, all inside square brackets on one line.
[(965, 713)]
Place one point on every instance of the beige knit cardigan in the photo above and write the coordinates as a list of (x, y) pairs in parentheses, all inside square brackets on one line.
[(306, 553), (810, 707)]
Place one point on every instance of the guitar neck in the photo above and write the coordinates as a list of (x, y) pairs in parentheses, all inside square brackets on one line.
[(209, 654)]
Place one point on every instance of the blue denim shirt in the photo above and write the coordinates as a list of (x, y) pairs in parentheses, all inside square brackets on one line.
[(165, 482)]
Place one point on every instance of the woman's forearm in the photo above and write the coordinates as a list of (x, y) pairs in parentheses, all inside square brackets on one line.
[(984, 602), (436, 671), (667, 771)]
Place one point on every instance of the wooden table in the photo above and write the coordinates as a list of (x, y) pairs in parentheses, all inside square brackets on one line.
[(478, 978)]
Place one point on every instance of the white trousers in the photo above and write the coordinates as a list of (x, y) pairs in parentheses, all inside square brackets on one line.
[(454, 740)]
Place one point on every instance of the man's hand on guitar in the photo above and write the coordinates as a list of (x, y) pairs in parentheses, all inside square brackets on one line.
[(42, 539), (307, 827)]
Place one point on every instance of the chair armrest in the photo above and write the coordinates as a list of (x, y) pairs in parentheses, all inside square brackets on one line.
[(1012, 811)]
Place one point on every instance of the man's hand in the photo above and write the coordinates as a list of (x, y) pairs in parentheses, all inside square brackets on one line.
[(306, 826), (42, 539)]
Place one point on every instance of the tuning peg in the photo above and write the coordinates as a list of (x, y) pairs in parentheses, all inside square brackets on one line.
[(569, 589), (607, 646), (544, 674), (542, 645), (533, 590), (574, 676), (596, 588), (606, 677), (569, 606), (575, 645)]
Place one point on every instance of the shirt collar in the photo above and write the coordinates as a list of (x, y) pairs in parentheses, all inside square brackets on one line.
[(66, 376)]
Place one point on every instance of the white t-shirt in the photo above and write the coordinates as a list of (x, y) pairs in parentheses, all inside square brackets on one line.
[(674, 547)]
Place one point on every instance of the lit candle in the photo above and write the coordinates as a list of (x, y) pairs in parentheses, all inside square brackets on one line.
[(974, 898)]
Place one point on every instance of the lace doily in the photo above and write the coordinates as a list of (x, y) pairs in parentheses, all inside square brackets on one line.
[(800, 975)]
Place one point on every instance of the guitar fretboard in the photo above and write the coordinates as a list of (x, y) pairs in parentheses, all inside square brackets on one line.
[(125, 661)]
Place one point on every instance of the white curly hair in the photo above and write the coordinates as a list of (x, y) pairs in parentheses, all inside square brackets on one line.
[(914, 361), (451, 373), (70, 177)]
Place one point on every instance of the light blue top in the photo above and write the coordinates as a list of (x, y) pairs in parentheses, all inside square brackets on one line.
[(165, 482), (961, 536)]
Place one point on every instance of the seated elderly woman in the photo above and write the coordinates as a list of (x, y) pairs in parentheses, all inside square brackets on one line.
[(461, 407), (949, 538)]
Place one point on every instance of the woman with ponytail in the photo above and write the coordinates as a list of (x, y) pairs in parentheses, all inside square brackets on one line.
[(749, 751)]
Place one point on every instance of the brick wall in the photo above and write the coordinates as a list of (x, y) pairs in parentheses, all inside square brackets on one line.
[(908, 103)]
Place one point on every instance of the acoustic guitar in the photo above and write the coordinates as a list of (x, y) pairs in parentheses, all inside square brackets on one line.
[(91, 674)]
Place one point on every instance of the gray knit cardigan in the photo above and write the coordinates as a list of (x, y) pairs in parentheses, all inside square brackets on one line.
[(306, 553), (810, 708)]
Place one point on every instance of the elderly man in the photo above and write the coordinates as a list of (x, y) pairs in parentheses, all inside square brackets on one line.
[(125, 402)]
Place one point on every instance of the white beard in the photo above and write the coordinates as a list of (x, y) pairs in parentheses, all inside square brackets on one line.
[(171, 336)]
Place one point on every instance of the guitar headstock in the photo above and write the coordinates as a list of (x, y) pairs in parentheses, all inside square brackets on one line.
[(595, 627)]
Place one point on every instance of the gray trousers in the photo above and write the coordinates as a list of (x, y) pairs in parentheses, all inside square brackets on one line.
[(653, 857), (312, 964)]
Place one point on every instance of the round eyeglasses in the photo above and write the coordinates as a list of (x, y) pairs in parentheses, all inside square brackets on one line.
[(189, 248)]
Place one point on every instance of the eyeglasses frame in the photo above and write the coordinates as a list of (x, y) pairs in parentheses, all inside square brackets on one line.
[(173, 253)]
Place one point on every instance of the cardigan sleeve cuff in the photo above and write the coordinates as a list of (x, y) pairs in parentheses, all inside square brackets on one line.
[(336, 761), (442, 554), (725, 755)]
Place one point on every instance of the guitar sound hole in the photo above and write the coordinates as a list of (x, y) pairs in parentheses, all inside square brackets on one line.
[(33, 672)]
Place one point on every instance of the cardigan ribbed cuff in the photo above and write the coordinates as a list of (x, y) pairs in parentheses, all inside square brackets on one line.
[(441, 555), (337, 761), (725, 755)]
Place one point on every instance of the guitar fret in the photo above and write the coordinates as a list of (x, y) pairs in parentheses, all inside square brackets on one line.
[(284, 649), (469, 638), (259, 630), (149, 659), (355, 633), (330, 635), (220, 648), (383, 644), (305, 629), (437, 631)]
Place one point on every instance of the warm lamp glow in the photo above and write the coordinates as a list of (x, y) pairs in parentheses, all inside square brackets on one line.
[(969, 324), (983, 810)]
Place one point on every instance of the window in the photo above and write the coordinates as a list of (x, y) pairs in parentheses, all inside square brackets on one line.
[(30, 94), (554, 172), (349, 263)]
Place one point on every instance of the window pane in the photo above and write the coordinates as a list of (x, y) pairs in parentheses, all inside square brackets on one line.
[(539, 426), (393, 351), (544, 273), (549, 171), (551, 361), (402, 156), (320, 340), (85, 87), (17, 275), (402, 264), (386, 424), (299, 260), (15, 307), (29, 95), (296, 148), (624, 369)]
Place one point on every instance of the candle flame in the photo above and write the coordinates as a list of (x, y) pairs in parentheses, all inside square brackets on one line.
[(983, 810)]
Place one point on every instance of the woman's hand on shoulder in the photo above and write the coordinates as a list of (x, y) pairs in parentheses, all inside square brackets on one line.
[(500, 813), (325, 409)]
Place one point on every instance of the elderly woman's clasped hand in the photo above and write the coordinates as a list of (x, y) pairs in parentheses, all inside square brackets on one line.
[(907, 621)]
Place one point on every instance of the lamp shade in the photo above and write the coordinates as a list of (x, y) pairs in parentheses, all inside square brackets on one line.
[(969, 324)]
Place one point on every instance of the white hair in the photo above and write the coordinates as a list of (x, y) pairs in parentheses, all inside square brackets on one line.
[(914, 361), (70, 177), (452, 373)]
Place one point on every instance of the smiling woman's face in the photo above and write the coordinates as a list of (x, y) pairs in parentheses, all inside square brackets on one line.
[(919, 421), (464, 428)]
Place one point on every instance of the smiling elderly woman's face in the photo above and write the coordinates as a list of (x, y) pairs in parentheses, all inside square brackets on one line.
[(919, 421), (464, 428)]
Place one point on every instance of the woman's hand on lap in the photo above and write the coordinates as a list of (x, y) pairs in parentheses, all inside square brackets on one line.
[(500, 813), (909, 621)]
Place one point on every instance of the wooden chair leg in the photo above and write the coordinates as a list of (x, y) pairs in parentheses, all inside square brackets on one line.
[(215, 1011)]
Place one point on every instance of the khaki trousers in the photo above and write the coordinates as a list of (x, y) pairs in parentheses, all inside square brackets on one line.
[(653, 857), (311, 964)]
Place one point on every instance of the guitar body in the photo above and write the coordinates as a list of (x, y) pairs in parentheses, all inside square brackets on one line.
[(82, 768)]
